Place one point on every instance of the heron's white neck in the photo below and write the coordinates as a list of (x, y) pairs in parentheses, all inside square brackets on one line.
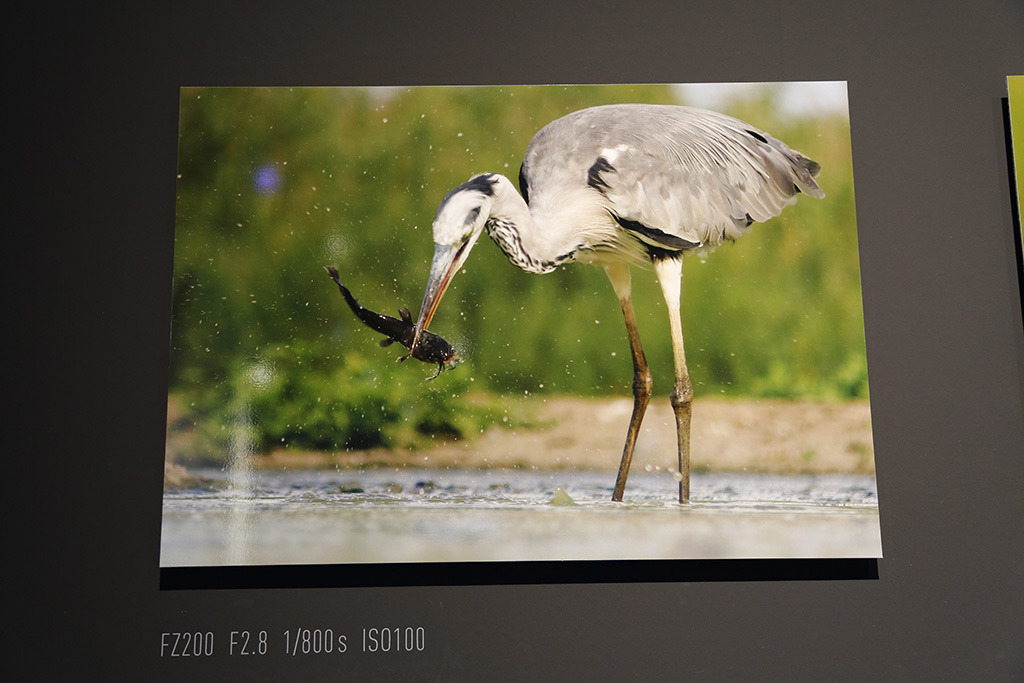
[(534, 243)]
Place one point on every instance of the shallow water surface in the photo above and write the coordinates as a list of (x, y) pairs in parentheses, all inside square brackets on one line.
[(434, 515)]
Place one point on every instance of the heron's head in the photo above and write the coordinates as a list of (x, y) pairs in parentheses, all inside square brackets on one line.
[(460, 219)]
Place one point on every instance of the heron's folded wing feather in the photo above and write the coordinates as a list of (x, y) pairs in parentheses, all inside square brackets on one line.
[(701, 179)]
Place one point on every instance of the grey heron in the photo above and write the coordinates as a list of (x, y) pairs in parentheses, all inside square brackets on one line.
[(618, 186)]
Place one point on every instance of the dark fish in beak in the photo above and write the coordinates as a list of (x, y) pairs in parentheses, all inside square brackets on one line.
[(428, 348)]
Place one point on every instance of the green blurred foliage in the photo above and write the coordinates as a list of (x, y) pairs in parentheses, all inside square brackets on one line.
[(309, 396), (1015, 90), (276, 183)]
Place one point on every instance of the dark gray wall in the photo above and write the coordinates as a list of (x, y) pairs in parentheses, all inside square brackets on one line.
[(95, 100)]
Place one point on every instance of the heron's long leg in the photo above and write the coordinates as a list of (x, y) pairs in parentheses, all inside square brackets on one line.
[(669, 272), (619, 275)]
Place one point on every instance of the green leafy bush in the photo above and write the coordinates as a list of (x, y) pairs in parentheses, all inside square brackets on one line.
[(307, 396)]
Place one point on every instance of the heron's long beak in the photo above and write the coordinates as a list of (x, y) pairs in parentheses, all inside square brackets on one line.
[(447, 259)]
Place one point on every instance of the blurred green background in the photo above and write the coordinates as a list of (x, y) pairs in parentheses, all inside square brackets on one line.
[(276, 183)]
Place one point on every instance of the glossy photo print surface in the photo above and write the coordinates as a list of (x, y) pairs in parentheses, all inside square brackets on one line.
[(394, 341)]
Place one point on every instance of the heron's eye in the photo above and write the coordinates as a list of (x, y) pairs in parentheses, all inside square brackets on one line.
[(472, 215)]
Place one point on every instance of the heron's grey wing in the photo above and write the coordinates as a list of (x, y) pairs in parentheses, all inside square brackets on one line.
[(690, 177)]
